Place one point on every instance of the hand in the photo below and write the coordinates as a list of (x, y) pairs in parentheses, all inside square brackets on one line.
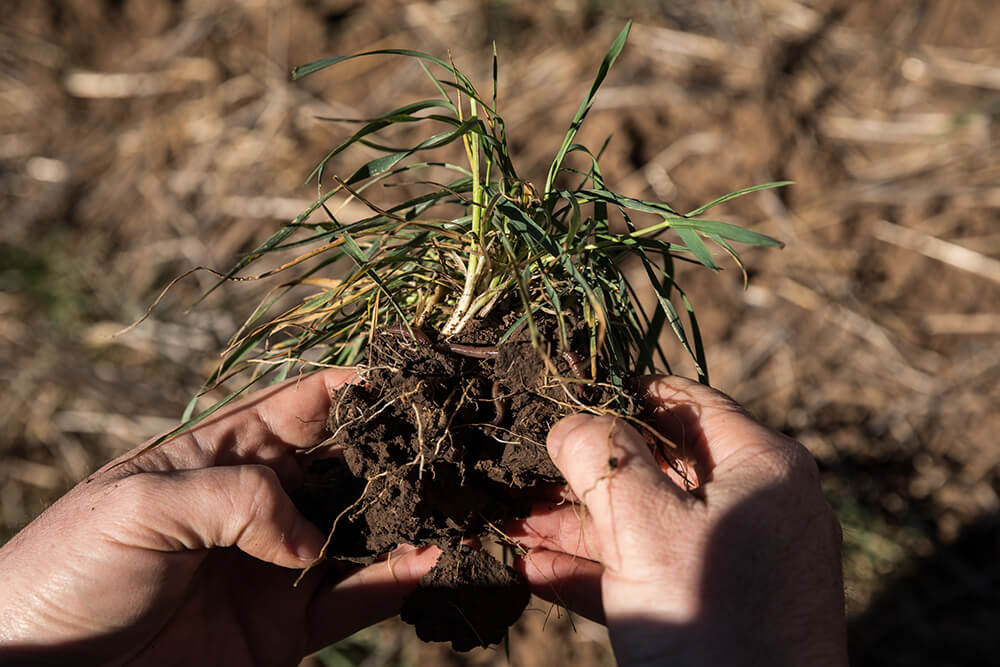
[(186, 554), (745, 571)]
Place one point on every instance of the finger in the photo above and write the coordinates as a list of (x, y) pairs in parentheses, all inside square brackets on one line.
[(241, 506), (553, 493), (565, 580), (264, 428), (366, 596), (558, 528), (707, 425), (293, 413), (612, 471)]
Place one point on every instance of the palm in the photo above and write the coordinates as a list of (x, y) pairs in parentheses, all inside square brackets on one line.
[(235, 610)]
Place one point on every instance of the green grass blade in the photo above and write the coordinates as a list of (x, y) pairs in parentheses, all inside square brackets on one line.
[(697, 247), (661, 289), (701, 362), (728, 231), (739, 193), (629, 203), (305, 70), (496, 76), (588, 102)]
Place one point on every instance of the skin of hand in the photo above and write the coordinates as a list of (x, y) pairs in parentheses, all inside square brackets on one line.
[(186, 554), (743, 571)]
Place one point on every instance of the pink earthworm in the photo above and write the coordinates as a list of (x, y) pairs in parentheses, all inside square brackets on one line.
[(460, 349)]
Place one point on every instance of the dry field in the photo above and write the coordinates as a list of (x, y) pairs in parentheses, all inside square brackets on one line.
[(141, 138)]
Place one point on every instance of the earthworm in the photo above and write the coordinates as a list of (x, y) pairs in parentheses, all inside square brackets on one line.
[(499, 404), (475, 351), (579, 367), (418, 333), (462, 350)]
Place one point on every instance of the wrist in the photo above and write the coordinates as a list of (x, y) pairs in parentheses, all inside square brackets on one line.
[(634, 645)]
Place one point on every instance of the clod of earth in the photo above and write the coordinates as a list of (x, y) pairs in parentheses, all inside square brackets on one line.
[(469, 598), (439, 445)]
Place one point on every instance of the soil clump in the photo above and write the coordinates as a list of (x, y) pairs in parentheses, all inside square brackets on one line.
[(439, 442), (468, 598)]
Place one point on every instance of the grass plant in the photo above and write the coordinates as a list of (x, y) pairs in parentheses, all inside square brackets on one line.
[(481, 239)]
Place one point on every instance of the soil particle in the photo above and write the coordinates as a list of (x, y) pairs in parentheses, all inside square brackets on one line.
[(469, 598)]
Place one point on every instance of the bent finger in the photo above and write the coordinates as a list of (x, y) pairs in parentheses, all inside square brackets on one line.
[(610, 467), (291, 413), (563, 528), (566, 580), (241, 506), (706, 424)]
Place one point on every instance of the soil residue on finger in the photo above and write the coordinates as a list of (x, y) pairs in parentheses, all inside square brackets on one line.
[(468, 598)]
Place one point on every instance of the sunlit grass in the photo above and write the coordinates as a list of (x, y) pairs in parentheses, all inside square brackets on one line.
[(481, 242)]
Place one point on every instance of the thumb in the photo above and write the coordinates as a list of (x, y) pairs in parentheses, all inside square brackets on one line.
[(611, 470), (243, 506)]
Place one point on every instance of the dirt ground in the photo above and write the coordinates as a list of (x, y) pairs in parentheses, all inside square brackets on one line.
[(139, 139)]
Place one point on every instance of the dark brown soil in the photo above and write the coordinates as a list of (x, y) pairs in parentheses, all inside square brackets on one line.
[(469, 598), (441, 442)]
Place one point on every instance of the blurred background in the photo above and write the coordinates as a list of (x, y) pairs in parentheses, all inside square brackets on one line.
[(141, 138)]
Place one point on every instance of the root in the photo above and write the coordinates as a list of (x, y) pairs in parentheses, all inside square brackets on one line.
[(520, 437), (469, 623), (507, 539), (420, 441), (392, 570), (364, 419), (446, 433), (603, 409)]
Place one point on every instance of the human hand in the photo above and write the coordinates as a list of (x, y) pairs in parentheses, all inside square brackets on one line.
[(186, 554), (745, 571)]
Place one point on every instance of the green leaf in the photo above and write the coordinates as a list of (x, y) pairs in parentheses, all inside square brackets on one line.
[(700, 361), (697, 247), (727, 231), (739, 193), (588, 102), (622, 201), (310, 68), (401, 115), (662, 292)]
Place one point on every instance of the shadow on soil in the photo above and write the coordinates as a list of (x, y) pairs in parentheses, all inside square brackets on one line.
[(944, 610)]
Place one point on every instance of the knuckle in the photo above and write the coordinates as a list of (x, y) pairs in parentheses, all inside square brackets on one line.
[(258, 488), (792, 461), (135, 493), (792, 473), (801, 462), (584, 434)]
